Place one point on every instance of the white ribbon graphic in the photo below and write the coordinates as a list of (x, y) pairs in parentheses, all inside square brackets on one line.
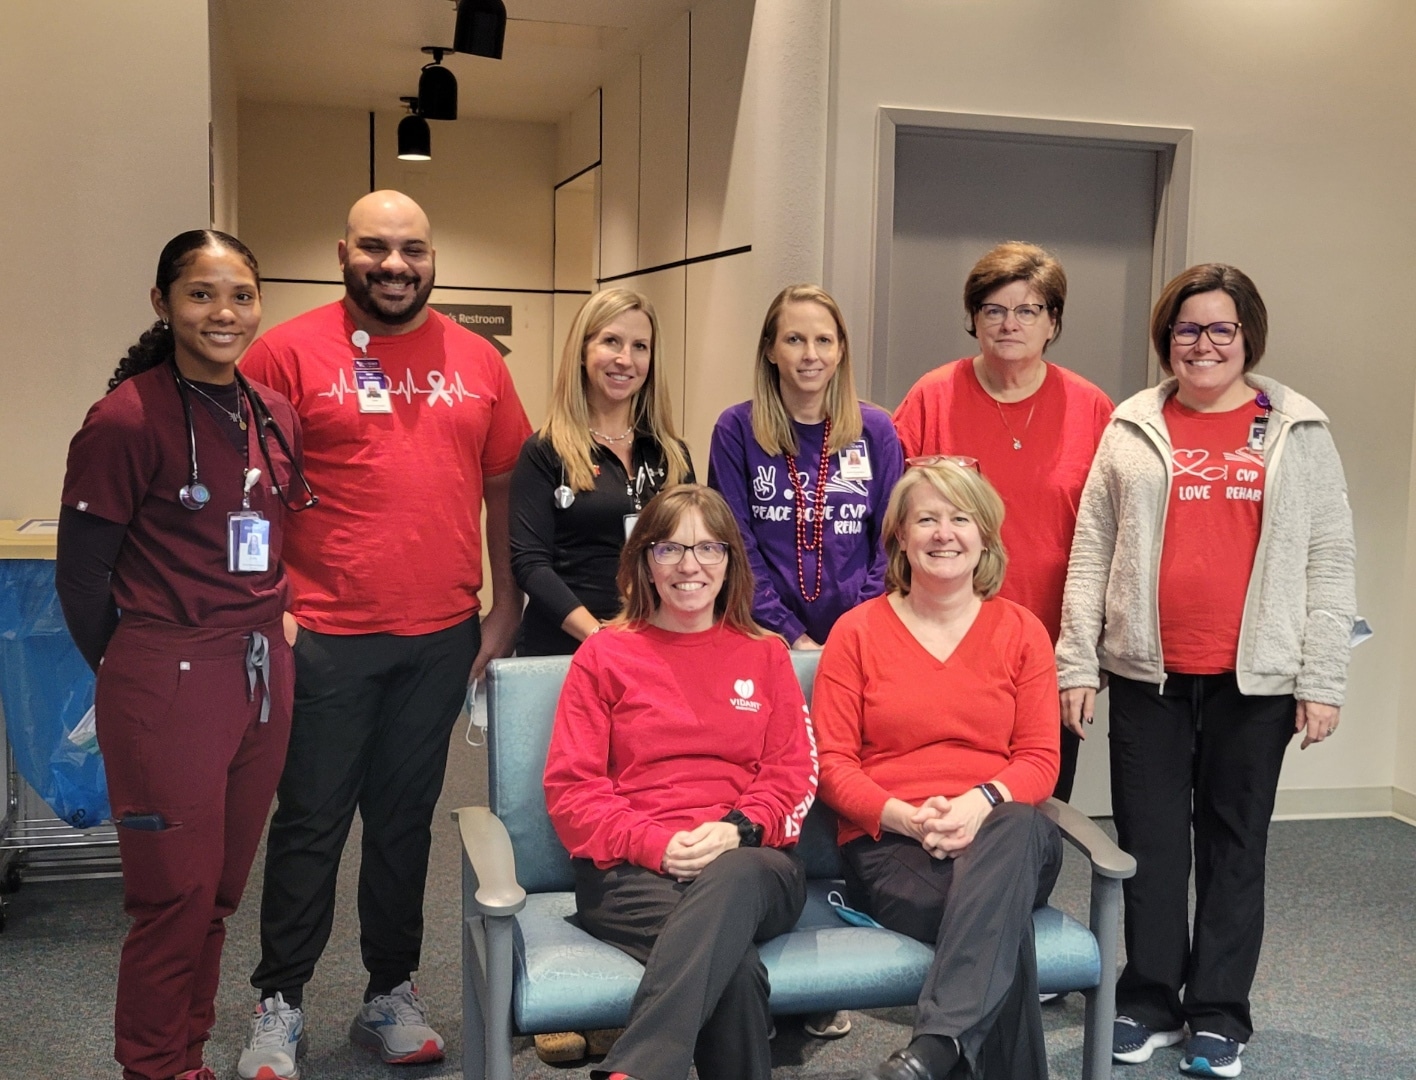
[(435, 384)]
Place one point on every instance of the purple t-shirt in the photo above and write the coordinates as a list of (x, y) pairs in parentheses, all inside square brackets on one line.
[(759, 490)]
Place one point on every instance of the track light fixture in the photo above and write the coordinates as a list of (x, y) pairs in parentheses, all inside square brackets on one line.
[(437, 88), (481, 28), (415, 141)]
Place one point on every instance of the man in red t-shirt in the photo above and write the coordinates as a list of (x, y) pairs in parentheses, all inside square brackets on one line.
[(410, 425)]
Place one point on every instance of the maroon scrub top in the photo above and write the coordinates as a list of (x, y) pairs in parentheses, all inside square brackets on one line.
[(127, 464)]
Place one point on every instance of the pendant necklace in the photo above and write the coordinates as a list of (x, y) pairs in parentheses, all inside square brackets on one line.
[(1017, 442), (810, 535), (237, 417)]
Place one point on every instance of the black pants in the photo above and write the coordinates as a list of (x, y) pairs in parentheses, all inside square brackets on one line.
[(976, 910), (1201, 757), (703, 998), (373, 717), (1067, 769)]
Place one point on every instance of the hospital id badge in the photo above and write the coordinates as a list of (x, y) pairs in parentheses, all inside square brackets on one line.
[(855, 461), (372, 386), (247, 542)]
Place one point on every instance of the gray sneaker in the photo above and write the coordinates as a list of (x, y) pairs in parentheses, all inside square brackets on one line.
[(396, 1025), (276, 1044)]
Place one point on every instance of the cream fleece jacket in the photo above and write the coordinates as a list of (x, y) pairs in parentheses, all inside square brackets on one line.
[(1301, 600)]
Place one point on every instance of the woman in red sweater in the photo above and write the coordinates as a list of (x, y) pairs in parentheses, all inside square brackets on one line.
[(680, 769), (938, 736)]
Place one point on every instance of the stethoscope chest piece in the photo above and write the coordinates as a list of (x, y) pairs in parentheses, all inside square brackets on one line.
[(194, 495), (563, 496)]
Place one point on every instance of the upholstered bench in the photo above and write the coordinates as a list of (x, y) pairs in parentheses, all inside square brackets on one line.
[(527, 968)]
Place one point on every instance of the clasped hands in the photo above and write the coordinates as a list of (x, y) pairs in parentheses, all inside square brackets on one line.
[(690, 852), (944, 827)]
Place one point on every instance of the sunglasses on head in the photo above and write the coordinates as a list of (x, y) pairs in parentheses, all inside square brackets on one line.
[(937, 459)]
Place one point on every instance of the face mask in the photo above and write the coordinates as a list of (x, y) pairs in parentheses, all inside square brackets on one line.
[(850, 914)]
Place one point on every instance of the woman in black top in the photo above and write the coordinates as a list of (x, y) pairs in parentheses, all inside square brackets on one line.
[(607, 448)]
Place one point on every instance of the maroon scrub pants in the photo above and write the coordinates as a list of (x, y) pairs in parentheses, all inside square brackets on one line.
[(191, 774)]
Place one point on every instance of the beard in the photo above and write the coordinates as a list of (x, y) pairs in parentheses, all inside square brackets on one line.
[(359, 288)]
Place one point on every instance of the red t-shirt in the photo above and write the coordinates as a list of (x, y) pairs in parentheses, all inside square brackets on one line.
[(892, 721), (658, 732), (127, 464), (949, 412), (1211, 534), (395, 545)]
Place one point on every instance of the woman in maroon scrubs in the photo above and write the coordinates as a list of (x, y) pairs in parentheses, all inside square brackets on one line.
[(170, 578)]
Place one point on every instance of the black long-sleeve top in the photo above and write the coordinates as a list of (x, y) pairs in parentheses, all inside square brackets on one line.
[(565, 558)]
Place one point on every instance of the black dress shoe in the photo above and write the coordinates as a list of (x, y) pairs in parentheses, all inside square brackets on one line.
[(901, 1065)]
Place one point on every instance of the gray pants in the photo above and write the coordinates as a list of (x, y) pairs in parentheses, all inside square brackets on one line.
[(703, 998), (976, 910)]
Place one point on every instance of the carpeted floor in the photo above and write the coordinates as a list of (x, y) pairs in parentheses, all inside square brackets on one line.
[(1334, 998)]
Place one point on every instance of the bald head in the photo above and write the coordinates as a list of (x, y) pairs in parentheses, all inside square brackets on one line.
[(388, 263)]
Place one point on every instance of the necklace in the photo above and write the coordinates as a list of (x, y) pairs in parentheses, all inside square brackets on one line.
[(613, 438), (235, 417), (809, 535), (1017, 442)]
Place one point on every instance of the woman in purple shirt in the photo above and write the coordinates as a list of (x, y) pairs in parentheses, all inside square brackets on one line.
[(805, 440)]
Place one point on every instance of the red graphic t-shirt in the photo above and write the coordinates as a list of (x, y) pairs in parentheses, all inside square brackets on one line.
[(1211, 534)]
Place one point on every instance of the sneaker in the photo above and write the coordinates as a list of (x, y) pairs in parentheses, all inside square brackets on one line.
[(1132, 1042), (396, 1025), (1208, 1054), (277, 1042)]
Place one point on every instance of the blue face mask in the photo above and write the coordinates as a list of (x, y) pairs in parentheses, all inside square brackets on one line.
[(850, 914)]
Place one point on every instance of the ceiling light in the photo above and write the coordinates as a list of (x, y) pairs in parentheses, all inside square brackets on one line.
[(415, 141), (481, 28), (437, 88)]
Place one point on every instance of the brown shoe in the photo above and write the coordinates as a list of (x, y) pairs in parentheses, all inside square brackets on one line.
[(558, 1047), (601, 1041)]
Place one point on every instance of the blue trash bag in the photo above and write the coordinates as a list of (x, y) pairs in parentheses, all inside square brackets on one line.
[(46, 688)]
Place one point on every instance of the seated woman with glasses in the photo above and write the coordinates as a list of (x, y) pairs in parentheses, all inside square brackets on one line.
[(680, 770), (1033, 426), (1212, 583), (937, 736)]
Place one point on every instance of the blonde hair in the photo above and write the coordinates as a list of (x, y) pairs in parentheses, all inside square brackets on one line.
[(771, 426), (659, 521), (567, 426), (972, 494)]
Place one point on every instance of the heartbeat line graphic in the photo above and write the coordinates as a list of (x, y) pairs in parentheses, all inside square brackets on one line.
[(439, 389)]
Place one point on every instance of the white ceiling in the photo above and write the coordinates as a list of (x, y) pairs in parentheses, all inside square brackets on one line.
[(365, 53)]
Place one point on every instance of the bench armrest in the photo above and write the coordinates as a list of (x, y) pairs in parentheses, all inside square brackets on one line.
[(1087, 836), (487, 848)]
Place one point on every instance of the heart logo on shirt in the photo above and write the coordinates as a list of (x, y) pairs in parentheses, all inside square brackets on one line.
[(743, 688), (1192, 463)]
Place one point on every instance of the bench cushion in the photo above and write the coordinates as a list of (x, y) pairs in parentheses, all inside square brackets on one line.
[(567, 980)]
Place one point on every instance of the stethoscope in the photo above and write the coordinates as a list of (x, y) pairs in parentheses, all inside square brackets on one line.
[(194, 495), (564, 496)]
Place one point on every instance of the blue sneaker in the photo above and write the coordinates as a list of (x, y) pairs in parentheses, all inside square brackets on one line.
[(1208, 1054), (1132, 1042)]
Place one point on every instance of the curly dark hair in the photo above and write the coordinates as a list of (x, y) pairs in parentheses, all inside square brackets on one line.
[(156, 345)]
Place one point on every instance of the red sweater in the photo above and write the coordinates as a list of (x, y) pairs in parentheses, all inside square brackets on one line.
[(658, 732), (893, 721)]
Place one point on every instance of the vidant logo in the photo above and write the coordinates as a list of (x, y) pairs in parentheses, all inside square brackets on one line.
[(743, 702)]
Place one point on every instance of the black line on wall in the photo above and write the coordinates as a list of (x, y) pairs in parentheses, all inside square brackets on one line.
[(687, 188), (576, 176), (669, 265), (373, 185), (451, 288)]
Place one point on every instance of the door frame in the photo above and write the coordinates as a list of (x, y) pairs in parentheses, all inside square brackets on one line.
[(1172, 148)]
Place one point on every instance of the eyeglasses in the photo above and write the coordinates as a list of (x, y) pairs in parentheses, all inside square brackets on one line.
[(936, 459), (1221, 333), (1027, 314), (707, 552)]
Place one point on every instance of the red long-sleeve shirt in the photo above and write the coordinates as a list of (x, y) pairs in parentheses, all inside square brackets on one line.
[(658, 732), (892, 721)]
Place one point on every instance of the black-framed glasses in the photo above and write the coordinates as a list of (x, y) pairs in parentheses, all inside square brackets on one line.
[(993, 314), (707, 552), (1188, 333)]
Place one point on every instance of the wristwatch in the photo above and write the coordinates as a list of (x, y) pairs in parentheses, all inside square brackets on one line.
[(991, 793), (749, 835)]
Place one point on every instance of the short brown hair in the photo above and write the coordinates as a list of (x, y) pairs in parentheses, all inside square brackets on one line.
[(1212, 277), (658, 522), (1017, 260), (972, 494)]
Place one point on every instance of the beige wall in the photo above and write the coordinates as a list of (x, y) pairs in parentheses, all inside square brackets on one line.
[(103, 162), (224, 120), (487, 191), (1302, 165)]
